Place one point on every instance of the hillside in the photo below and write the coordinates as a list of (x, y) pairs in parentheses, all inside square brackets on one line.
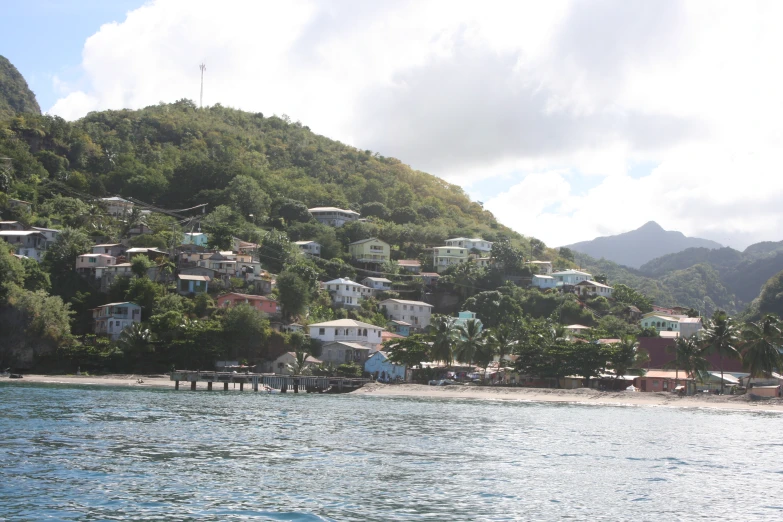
[(15, 95), (639, 246)]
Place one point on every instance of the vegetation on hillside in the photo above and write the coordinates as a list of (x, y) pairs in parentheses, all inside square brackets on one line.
[(15, 95)]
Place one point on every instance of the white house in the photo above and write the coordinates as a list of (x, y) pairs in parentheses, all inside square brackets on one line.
[(282, 363), (50, 233), (446, 256), (677, 324), (544, 267), (28, 243), (543, 281), (118, 207), (380, 367), (576, 329), (571, 277), (347, 331), (470, 243), (593, 289), (312, 248), (333, 216), (111, 319), (379, 284), (417, 313), (347, 293), (11, 225), (341, 352), (86, 264)]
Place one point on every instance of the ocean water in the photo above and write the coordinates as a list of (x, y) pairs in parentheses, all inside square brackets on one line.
[(95, 453)]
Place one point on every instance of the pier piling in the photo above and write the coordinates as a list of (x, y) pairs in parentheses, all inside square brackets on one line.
[(209, 386), (192, 385), (225, 386)]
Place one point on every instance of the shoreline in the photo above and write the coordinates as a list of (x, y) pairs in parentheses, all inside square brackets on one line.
[(573, 396), (540, 395)]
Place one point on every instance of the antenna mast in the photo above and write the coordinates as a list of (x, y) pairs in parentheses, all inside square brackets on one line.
[(203, 67)]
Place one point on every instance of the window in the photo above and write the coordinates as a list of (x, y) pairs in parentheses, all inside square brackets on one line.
[(92, 260), (321, 331)]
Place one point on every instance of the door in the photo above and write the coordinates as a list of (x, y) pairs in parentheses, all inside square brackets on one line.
[(644, 384)]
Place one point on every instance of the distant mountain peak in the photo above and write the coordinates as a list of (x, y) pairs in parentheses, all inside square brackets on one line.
[(15, 95), (639, 246)]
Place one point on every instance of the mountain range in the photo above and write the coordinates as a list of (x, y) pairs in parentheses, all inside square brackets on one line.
[(639, 246)]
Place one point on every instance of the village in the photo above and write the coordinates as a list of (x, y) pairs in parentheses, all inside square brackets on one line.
[(413, 318)]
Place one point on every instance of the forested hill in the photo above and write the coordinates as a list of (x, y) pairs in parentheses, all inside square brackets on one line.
[(176, 156), (15, 95)]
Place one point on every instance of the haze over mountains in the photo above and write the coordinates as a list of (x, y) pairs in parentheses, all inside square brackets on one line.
[(639, 246)]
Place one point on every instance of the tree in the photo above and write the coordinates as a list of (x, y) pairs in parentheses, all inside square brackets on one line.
[(60, 258), (493, 308), (721, 338), (688, 357), (566, 253), (503, 340), (470, 340), (246, 196), (12, 272), (403, 215), (624, 355), (140, 264), (275, 251), (34, 277), (136, 341), (410, 351), (336, 268), (294, 294), (588, 359), (293, 211), (771, 298), (220, 226), (760, 342), (144, 293), (443, 338), (375, 209), (301, 364), (629, 296), (248, 330)]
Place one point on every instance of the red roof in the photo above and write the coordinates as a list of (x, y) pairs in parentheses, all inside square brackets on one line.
[(385, 336)]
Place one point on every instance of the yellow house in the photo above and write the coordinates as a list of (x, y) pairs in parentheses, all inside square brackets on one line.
[(370, 250), (445, 256)]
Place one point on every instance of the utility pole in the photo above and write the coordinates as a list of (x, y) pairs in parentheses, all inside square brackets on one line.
[(203, 68)]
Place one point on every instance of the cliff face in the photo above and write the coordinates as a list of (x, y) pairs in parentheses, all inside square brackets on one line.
[(15, 95)]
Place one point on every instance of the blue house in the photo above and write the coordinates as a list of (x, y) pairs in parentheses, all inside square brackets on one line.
[(464, 316), (544, 281), (192, 284), (399, 327), (380, 367), (195, 238)]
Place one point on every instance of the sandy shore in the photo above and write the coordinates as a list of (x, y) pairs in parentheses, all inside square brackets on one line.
[(156, 381), (579, 396)]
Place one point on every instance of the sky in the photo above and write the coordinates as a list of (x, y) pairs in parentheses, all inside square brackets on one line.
[(567, 119)]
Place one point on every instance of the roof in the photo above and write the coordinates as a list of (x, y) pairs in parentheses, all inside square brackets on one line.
[(355, 346), (429, 274), (632, 308), (8, 222), (467, 239), (343, 323), (669, 335), (592, 283), (343, 281), (691, 320), (95, 255), (662, 316), (108, 245), (306, 242), (247, 296), (309, 358), (572, 272), (577, 327), (386, 336), (331, 209), (403, 301), (666, 374), (118, 304), (542, 276), (726, 377), (194, 278), (367, 240), (400, 323), (409, 262), (138, 250), (19, 232), (194, 233), (540, 262), (115, 198), (46, 229), (377, 279)]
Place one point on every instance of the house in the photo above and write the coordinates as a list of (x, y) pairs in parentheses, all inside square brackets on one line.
[(111, 319), (192, 284), (230, 264), (544, 267), (213, 275), (332, 216), (312, 248), (379, 284), (347, 330), (370, 250), (402, 328), (664, 381), (683, 326), (151, 253), (111, 249), (446, 256), (464, 316), (341, 352), (410, 265), (593, 289), (633, 313), (50, 233), (11, 225), (259, 302), (483, 262), (195, 238), (429, 278), (469, 244), (109, 273), (86, 264), (283, 364), (346, 293), (417, 313), (388, 336), (243, 246), (570, 277), (140, 229), (117, 207), (576, 329), (28, 243), (381, 368), (18, 203), (690, 326), (543, 281)]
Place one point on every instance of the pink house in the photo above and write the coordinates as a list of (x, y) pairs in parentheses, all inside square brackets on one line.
[(259, 302), (87, 263)]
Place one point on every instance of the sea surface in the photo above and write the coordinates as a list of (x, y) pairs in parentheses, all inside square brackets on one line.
[(102, 453)]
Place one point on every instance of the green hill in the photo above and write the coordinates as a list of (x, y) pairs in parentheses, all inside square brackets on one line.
[(15, 95)]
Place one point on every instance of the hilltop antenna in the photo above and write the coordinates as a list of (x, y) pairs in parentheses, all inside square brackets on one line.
[(203, 68)]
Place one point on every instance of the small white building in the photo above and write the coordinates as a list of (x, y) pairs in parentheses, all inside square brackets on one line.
[(86, 264), (333, 216), (346, 293), (543, 281), (571, 277), (475, 243), (118, 207), (593, 289), (347, 330), (111, 249), (51, 234), (283, 364), (312, 248), (410, 265), (544, 267), (677, 325), (417, 313), (576, 329), (28, 243), (382, 369), (341, 352), (379, 284), (111, 319)]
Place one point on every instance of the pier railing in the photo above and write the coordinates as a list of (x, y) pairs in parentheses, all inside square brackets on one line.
[(283, 383)]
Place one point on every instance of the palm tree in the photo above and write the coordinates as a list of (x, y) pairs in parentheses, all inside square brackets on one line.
[(721, 338), (502, 342), (471, 340), (136, 341), (688, 357), (443, 337), (624, 355), (760, 341), (301, 365)]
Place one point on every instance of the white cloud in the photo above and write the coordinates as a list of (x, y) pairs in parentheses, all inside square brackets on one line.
[(546, 93)]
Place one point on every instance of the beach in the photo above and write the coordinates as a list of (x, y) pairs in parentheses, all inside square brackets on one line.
[(147, 381), (575, 396)]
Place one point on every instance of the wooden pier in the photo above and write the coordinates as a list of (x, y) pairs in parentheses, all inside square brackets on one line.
[(283, 383)]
